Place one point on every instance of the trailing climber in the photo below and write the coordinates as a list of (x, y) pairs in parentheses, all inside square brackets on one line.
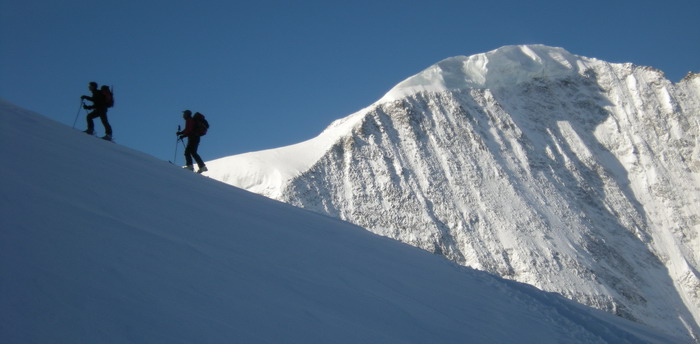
[(194, 130)]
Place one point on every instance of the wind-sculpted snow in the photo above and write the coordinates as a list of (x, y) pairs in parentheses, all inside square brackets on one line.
[(574, 175), (499, 68)]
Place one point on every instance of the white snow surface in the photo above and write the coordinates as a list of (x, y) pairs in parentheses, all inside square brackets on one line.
[(572, 174), (103, 244), (267, 172), (503, 67)]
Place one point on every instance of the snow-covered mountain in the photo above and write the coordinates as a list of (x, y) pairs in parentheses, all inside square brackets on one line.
[(103, 244), (572, 174)]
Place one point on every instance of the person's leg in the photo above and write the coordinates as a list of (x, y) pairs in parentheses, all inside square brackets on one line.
[(196, 156), (188, 151), (90, 123), (194, 142), (105, 123)]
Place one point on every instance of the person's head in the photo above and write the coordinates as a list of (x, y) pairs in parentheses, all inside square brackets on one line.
[(92, 86), (187, 114)]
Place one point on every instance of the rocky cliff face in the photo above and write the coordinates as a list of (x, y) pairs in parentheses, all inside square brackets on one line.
[(577, 176)]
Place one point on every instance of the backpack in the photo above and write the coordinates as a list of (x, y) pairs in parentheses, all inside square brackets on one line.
[(200, 124), (108, 94)]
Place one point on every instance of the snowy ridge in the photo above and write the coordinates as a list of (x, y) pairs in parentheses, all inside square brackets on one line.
[(110, 245), (503, 67), (266, 172), (572, 174)]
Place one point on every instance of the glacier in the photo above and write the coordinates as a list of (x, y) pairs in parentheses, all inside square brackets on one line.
[(572, 174)]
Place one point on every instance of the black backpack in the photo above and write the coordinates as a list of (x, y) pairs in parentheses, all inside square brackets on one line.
[(200, 124), (108, 94)]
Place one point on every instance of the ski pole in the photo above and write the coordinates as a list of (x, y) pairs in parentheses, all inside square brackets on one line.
[(176, 144), (82, 103)]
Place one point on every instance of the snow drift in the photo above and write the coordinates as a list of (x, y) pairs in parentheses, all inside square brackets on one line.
[(568, 173), (102, 244)]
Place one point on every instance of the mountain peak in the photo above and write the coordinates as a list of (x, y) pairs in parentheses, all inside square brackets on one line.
[(569, 173), (507, 65)]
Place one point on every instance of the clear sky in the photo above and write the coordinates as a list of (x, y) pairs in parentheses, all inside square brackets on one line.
[(272, 73)]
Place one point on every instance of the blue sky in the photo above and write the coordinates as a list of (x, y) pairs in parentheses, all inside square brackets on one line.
[(273, 73)]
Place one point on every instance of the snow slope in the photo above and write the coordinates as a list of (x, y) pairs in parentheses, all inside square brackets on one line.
[(103, 244), (568, 173), (267, 172)]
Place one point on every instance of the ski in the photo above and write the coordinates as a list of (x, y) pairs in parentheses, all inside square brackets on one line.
[(106, 137)]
